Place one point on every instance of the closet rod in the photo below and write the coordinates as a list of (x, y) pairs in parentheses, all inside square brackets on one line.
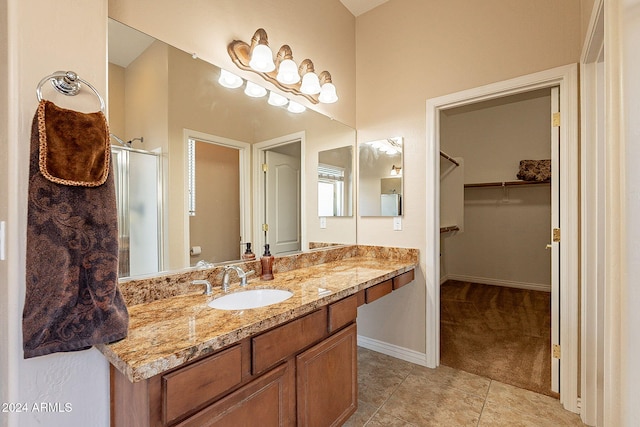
[(448, 157), (506, 183)]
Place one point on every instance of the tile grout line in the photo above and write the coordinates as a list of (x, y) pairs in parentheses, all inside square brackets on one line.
[(486, 397), (387, 399)]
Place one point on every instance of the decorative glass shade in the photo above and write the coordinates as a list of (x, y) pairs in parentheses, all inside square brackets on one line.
[(229, 80), (288, 72), (255, 91), (310, 84), (294, 107), (328, 94), (277, 99), (262, 59)]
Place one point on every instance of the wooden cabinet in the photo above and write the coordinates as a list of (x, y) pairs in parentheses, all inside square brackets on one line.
[(303, 372), (327, 380), (268, 401)]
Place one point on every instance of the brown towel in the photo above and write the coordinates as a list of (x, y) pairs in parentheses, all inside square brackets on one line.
[(72, 298), (535, 170)]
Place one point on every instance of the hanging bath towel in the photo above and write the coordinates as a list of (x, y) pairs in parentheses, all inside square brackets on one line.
[(72, 299)]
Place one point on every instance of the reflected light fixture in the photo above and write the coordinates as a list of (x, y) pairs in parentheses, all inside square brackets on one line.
[(255, 91), (395, 170), (229, 80), (295, 107), (283, 73), (277, 100)]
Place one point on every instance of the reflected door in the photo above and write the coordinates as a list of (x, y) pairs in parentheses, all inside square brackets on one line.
[(282, 202)]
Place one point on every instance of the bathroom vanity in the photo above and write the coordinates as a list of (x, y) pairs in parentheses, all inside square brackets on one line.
[(290, 363)]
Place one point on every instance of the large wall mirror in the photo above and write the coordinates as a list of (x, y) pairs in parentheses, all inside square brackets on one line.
[(209, 143), (380, 177)]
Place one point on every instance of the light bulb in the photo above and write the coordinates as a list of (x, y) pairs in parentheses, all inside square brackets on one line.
[(288, 72), (255, 91), (229, 80), (310, 84), (328, 94), (277, 100), (294, 107), (262, 59)]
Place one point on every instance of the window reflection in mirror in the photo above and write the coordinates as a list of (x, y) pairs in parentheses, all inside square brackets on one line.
[(335, 182), (380, 177)]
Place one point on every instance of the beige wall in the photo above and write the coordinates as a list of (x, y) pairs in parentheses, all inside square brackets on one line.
[(116, 101), (431, 49)]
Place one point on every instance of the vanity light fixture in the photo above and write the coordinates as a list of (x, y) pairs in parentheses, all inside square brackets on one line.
[(285, 74), (310, 82), (287, 68), (396, 170), (229, 80), (261, 55), (255, 91)]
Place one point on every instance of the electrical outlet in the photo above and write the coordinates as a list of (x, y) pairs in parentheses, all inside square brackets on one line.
[(397, 223), (323, 222)]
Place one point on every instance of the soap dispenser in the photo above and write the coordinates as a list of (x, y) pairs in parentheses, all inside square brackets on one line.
[(267, 264), (248, 255)]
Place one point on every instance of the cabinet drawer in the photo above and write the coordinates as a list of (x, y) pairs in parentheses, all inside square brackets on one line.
[(190, 387), (343, 312), (403, 279), (286, 340), (378, 291)]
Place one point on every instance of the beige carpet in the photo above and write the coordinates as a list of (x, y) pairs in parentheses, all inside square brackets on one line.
[(497, 332)]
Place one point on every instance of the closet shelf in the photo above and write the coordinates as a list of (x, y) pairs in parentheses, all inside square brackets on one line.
[(506, 184), (449, 229)]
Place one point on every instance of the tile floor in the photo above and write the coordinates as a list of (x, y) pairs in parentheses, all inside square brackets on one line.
[(393, 393)]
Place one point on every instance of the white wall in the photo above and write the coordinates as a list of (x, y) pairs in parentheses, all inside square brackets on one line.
[(44, 37)]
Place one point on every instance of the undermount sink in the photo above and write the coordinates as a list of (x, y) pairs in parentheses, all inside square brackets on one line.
[(253, 298)]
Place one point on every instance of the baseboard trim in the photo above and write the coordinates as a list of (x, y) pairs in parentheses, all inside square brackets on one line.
[(499, 282), (444, 278), (393, 350)]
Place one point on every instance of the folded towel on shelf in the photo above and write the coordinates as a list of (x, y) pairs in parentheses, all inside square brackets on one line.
[(535, 170), (72, 299)]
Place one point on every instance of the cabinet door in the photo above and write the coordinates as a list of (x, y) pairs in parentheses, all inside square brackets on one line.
[(268, 401), (327, 380)]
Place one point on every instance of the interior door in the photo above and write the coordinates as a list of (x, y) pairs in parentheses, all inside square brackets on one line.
[(282, 202), (555, 238)]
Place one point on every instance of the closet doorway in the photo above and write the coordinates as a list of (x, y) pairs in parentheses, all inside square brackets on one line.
[(568, 302), (498, 204)]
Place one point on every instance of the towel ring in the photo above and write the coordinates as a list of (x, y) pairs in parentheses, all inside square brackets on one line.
[(67, 83)]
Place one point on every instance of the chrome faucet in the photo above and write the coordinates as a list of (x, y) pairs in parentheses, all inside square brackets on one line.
[(206, 283), (241, 274)]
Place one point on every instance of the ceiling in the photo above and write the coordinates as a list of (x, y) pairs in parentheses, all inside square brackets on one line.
[(358, 7)]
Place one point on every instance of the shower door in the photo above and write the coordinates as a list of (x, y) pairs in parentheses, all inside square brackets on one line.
[(137, 175)]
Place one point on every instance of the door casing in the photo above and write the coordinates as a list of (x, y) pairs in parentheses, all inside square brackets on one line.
[(566, 77)]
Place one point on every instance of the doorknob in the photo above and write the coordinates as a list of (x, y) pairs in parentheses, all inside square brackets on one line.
[(549, 246)]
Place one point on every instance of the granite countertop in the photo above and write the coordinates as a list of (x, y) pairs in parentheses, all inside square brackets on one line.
[(169, 332)]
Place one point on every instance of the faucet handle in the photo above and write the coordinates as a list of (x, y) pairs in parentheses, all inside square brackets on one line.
[(243, 280), (206, 283)]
